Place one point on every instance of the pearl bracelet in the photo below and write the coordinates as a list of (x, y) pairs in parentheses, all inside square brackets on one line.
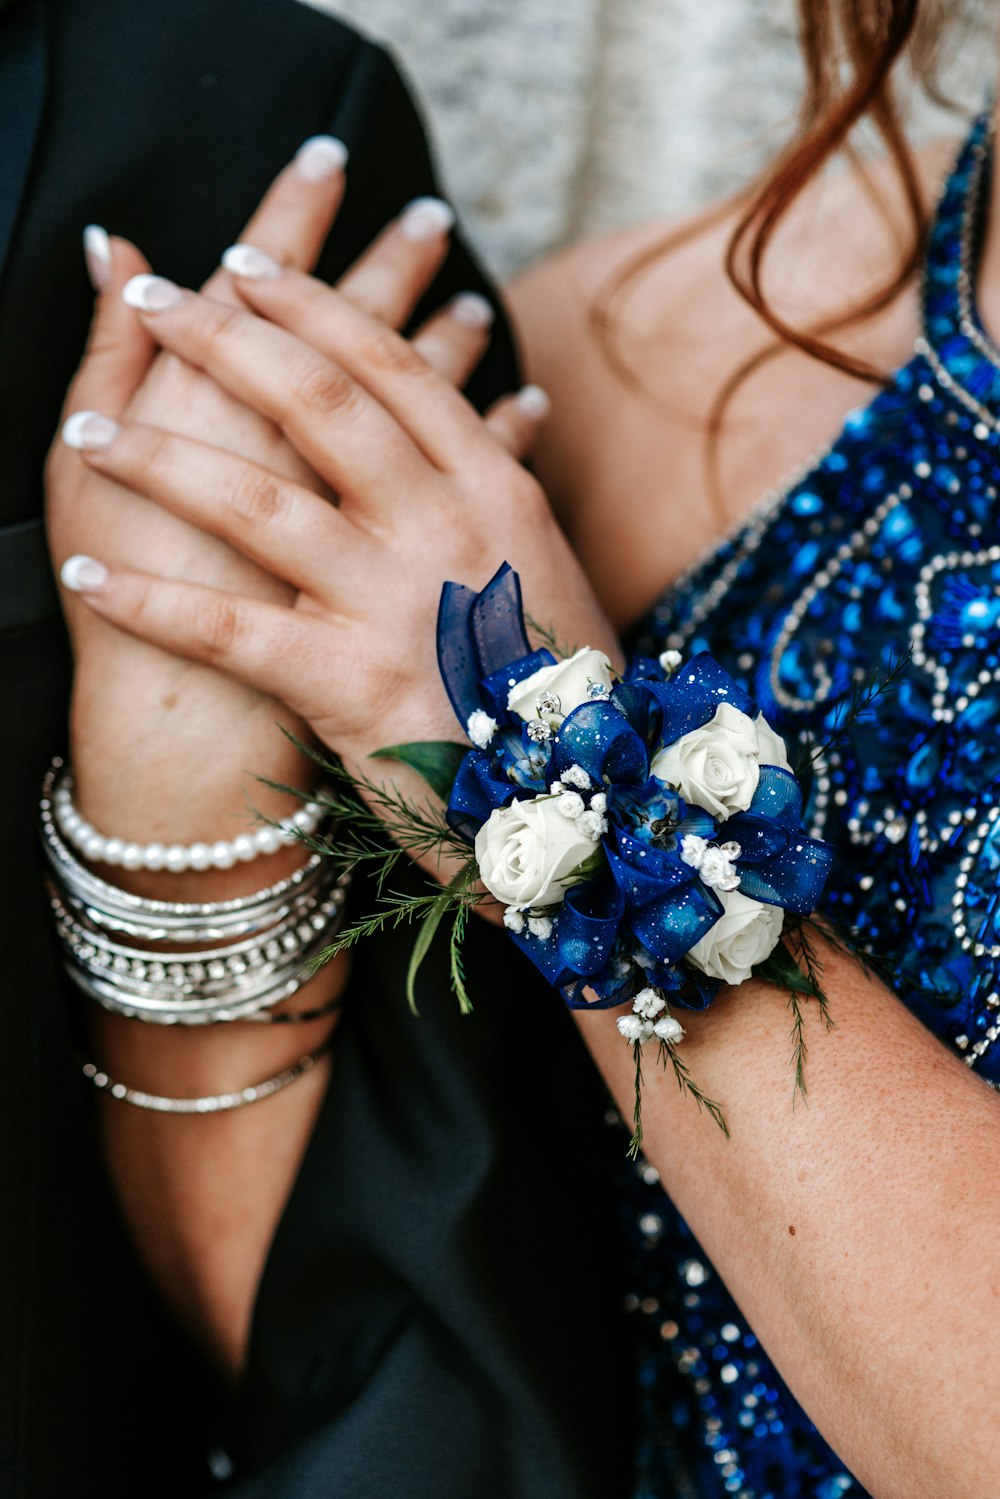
[(114, 909), (177, 857)]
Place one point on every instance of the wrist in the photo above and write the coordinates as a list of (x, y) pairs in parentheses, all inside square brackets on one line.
[(155, 762)]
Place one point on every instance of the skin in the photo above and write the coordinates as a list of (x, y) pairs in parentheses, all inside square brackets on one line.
[(202, 1204), (887, 1220)]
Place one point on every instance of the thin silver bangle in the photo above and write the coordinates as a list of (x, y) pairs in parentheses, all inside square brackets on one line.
[(212, 1103)]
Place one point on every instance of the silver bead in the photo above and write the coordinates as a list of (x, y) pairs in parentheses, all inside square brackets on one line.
[(548, 704), (538, 731)]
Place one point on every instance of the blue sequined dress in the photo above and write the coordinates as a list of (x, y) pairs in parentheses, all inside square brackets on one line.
[(889, 544)]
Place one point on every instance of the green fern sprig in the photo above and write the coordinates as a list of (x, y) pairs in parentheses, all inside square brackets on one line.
[(668, 1056)]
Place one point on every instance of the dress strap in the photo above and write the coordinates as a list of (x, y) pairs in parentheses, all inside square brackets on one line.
[(964, 358)]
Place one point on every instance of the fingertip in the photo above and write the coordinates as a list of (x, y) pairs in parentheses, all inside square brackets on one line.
[(147, 293), (533, 402), (82, 574), (427, 219), (319, 157), (97, 256), (471, 310), (89, 431), (249, 263)]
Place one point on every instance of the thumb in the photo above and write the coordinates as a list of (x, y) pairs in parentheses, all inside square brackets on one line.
[(119, 350)]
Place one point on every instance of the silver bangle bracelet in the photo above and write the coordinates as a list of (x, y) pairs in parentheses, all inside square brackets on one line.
[(213, 1103), (202, 987)]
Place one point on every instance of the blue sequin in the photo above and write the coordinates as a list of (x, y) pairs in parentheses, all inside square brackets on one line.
[(898, 523)]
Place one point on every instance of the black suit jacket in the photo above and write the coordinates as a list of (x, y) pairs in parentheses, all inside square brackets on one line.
[(438, 1310)]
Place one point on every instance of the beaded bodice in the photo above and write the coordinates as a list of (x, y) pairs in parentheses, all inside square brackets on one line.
[(886, 551)]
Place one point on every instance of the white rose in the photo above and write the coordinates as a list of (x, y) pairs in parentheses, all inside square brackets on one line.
[(568, 680), (528, 853), (745, 934), (770, 746), (717, 767)]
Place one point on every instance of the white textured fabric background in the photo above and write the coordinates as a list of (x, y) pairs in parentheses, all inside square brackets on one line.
[(555, 119)]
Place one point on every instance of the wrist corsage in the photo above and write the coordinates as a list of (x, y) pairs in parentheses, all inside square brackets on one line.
[(642, 833)]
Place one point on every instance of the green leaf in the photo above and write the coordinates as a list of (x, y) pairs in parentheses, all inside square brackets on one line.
[(781, 970), (437, 760), (428, 929), (421, 947)]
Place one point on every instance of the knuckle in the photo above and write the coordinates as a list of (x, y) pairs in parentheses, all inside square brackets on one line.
[(156, 457), (217, 625), (224, 327), (258, 497), (387, 351), (324, 389)]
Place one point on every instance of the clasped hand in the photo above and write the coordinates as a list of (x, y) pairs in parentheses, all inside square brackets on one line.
[(427, 491)]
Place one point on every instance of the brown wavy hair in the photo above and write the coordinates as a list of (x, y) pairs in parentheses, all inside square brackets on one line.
[(851, 50)]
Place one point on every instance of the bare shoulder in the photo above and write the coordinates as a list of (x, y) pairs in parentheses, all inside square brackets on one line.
[(634, 335)]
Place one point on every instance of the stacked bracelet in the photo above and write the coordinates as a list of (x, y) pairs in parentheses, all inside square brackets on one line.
[(177, 857), (201, 987), (153, 960), (167, 921)]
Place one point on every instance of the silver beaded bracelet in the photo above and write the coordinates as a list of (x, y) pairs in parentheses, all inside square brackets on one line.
[(271, 938), (177, 857), (212, 1103), (201, 987)]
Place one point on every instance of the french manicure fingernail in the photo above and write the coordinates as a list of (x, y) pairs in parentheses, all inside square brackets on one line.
[(151, 293), (97, 254), (472, 310), (534, 402), (248, 261), (83, 574), (89, 430), (320, 156), (427, 218)]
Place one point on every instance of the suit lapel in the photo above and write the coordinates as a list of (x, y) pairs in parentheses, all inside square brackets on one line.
[(22, 97)]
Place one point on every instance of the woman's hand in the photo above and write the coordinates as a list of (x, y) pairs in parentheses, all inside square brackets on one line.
[(428, 492), (141, 719)]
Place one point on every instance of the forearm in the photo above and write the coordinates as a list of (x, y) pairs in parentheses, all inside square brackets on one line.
[(202, 1195), (844, 1228)]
